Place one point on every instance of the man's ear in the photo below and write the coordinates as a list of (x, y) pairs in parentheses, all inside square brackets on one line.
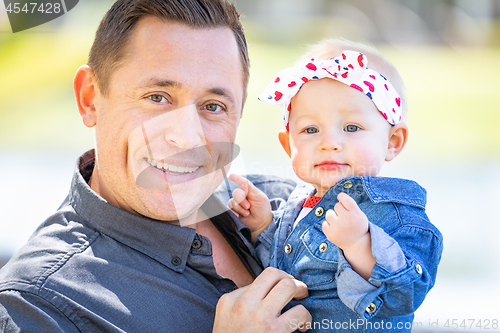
[(397, 140), (84, 86), (284, 138)]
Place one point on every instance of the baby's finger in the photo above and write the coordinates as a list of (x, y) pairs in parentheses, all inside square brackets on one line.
[(237, 209), (330, 216), (242, 182), (347, 202), (240, 197)]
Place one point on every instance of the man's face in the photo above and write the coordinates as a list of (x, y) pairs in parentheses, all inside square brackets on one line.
[(335, 132), (169, 119)]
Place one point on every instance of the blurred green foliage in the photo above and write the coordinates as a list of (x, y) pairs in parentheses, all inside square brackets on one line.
[(454, 99)]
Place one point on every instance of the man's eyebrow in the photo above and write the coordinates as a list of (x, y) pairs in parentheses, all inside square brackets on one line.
[(222, 92), (155, 82)]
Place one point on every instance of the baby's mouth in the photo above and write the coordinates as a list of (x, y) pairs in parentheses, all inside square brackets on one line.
[(170, 169)]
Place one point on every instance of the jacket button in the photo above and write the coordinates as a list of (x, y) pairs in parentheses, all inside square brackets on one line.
[(371, 308), (176, 261), (322, 247), (347, 184), (418, 268), (319, 211), (288, 248)]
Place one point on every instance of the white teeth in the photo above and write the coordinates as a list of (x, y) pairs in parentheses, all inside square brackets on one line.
[(173, 168)]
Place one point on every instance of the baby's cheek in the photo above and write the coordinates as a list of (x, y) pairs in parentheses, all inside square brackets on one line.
[(368, 162)]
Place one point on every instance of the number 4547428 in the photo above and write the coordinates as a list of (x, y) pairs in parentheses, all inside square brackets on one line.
[(484, 324), (34, 8)]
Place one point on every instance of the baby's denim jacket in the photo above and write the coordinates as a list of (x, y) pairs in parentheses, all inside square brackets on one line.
[(406, 246)]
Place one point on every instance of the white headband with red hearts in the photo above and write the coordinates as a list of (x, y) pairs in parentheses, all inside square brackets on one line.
[(349, 68)]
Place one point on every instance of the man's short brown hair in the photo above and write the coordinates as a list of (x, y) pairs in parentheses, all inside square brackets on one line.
[(117, 25)]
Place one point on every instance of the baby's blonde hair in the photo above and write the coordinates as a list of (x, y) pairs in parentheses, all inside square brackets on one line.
[(333, 47)]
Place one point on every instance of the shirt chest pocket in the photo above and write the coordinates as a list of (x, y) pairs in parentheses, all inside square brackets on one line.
[(317, 264)]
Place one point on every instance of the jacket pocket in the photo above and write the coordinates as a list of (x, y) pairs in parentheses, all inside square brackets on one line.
[(317, 265)]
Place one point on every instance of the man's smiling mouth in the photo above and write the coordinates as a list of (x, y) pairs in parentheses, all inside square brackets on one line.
[(170, 169)]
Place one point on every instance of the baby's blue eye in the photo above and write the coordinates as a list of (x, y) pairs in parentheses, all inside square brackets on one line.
[(311, 130), (351, 128)]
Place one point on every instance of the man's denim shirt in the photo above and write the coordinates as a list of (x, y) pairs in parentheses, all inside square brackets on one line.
[(406, 246)]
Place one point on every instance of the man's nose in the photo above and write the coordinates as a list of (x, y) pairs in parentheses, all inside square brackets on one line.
[(331, 141), (186, 131)]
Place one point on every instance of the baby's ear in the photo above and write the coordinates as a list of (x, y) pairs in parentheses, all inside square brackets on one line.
[(397, 140), (284, 138)]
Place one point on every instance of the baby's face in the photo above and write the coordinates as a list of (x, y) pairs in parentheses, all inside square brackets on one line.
[(335, 131)]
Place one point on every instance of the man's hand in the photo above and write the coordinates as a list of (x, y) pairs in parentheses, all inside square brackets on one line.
[(251, 205), (257, 307), (347, 227)]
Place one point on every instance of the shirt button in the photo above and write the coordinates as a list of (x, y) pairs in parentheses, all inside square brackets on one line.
[(322, 247), (196, 244), (319, 211), (176, 261), (347, 184), (288, 248), (371, 308), (418, 268)]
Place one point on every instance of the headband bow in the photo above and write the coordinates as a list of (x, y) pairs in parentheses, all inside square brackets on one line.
[(349, 68)]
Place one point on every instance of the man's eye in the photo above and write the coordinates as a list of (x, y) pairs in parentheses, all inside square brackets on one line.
[(157, 98), (311, 130), (214, 107), (351, 128)]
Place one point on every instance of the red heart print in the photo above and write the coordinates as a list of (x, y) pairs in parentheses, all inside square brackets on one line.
[(372, 76), (291, 84), (278, 95), (369, 85), (398, 101), (311, 66), (360, 60), (355, 86), (305, 79), (277, 80)]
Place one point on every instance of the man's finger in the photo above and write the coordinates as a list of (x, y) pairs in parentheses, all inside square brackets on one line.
[(282, 293), (296, 318), (266, 280)]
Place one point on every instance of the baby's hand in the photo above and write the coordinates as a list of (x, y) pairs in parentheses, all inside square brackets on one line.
[(346, 224), (251, 205)]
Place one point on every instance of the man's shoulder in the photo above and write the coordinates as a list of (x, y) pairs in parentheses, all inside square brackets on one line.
[(49, 248)]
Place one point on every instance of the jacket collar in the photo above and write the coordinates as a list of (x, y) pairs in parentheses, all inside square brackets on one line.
[(377, 189)]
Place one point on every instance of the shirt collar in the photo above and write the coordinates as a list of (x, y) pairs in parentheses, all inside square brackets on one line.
[(167, 243)]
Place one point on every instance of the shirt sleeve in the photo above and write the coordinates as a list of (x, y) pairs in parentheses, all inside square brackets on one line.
[(26, 312), (405, 270)]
